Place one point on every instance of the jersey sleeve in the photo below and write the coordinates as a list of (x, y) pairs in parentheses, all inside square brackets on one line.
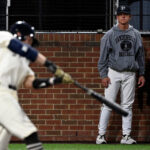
[(140, 55), (103, 59), (5, 38)]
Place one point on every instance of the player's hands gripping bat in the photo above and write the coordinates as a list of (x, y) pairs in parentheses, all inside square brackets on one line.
[(66, 78), (58, 72)]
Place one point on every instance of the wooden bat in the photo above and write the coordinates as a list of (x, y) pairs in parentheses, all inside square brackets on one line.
[(116, 107)]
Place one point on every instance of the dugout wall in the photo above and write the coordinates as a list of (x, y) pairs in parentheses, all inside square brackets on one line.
[(64, 113)]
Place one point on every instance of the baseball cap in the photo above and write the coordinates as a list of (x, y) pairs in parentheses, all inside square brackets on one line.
[(123, 9)]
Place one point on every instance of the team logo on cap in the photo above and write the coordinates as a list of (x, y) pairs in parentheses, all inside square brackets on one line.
[(123, 8)]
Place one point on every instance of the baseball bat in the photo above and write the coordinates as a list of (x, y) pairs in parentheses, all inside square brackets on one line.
[(116, 107), (66, 78)]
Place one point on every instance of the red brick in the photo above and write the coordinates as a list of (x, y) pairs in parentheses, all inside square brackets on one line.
[(77, 37), (76, 127), (77, 117), (84, 133), (46, 37), (69, 102), (30, 106), (61, 117), (53, 133), (71, 37), (61, 127), (82, 37), (62, 96), (69, 122), (66, 37), (77, 107), (46, 127), (87, 37), (53, 122), (69, 112), (41, 117), (69, 133), (60, 107), (60, 54), (45, 107)]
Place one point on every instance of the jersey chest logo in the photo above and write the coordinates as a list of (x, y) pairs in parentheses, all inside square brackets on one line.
[(126, 45)]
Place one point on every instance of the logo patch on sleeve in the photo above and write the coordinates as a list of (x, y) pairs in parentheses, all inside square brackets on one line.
[(24, 48)]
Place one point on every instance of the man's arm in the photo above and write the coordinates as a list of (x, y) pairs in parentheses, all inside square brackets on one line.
[(141, 61), (31, 54), (103, 59), (23, 50), (140, 55), (37, 83), (32, 82)]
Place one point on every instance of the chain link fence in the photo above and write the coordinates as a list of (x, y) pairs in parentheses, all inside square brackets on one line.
[(3, 4), (72, 15), (60, 15)]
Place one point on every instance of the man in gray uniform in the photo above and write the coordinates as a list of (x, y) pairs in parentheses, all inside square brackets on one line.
[(121, 56)]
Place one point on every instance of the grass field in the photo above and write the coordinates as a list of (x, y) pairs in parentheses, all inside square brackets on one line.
[(85, 147)]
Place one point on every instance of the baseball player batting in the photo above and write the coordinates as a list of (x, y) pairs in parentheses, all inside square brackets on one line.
[(14, 72)]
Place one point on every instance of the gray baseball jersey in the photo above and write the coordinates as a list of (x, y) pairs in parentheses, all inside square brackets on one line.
[(121, 51)]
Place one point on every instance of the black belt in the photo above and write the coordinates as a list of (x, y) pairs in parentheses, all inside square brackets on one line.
[(12, 87)]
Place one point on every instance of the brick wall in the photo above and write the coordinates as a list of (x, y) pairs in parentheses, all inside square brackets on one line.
[(64, 112)]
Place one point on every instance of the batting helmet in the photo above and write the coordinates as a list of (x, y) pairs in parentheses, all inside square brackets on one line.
[(25, 29)]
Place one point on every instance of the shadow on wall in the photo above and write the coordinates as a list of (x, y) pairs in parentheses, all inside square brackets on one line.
[(144, 90), (143, 97)]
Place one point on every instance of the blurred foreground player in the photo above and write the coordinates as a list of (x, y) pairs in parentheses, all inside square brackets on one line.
[(15, 57)]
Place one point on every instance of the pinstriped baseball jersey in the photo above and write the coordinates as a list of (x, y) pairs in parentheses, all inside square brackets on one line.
[(13, 68), (13, 71)]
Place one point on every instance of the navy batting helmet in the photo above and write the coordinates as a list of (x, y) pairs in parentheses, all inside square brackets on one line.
[(25, 29)]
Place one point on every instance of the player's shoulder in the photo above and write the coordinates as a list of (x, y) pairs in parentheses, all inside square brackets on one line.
[(5, 35), (136, 31), (108, 33)]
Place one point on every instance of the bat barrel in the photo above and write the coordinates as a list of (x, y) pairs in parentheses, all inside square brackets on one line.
[(116, 107), (113, 105)]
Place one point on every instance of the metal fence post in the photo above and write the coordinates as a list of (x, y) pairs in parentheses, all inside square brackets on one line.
[(7, 13)]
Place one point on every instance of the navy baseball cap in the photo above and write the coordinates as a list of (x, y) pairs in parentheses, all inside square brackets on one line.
[(123, 9)]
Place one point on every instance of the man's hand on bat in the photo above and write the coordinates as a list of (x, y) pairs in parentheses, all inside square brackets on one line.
[(66, 78)]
